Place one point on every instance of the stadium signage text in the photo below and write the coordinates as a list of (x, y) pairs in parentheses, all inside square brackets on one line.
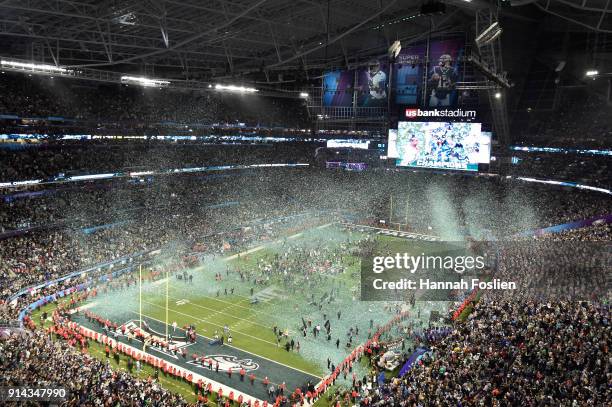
[(413, 113)]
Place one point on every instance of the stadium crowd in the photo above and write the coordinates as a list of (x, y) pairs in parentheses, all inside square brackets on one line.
[(533, 350), (470, 364), (542, 348), (137, 107), (34, 358), (66, 158)]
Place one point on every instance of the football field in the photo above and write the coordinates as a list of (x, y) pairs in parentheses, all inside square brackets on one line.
[(263, 310)]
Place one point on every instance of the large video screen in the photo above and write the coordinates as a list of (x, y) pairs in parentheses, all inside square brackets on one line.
[(348, 143), (454, 146)]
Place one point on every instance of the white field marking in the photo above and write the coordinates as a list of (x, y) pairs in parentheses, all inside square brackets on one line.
[(244, 253), (268, 294), (217, 311), (159, 282), (211, 323), (232, 326), (245, 351), (324, 226), (295, 236), (230, 304), (87, 306), (180, 302), (221, 311)]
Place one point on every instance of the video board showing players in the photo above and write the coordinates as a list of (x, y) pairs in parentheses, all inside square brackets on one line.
[(443, 145)]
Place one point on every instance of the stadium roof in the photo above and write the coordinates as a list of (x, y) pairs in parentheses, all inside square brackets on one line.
[(261, 40), (206, 39)]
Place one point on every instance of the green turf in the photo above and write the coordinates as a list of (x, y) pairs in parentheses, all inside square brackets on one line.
[(205, 304), (250, 331)]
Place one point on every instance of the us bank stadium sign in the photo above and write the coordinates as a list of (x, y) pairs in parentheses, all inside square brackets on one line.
[(455, 114)]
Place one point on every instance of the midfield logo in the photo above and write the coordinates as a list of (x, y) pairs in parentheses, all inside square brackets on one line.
[(150, 335), (227, 362)]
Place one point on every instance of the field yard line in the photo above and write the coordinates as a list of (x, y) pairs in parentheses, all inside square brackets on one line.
[(221, 311), (159, 282), (243, 253), (279, 240), (224, 302), (212, 323), (88, 305), (246, 351), (215, 312)]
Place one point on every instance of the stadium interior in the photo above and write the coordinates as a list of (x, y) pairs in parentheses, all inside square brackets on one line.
[(253, 203)]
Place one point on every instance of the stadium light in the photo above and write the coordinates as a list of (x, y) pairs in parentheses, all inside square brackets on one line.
[(592, 72), (32, 67), (489, 34), (498, 95), (142, 81), (234, 88), (303, 95), (395, 49)]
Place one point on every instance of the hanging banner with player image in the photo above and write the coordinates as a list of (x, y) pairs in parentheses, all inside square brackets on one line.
[(444, 71), (408, 74), (338, 88), (372, 84)]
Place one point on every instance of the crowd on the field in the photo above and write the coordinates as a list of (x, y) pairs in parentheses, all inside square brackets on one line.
[(67, 229)]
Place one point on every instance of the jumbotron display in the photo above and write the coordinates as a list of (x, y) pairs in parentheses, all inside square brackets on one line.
[(444, 145)]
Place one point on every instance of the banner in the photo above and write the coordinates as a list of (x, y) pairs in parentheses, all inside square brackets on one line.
[(407, 74), (438, 70), (372, 84), (338, 88), (444, 72)]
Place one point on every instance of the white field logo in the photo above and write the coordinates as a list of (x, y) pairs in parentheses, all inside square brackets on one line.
[(227, 362), (408, 235), (176, 343)]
